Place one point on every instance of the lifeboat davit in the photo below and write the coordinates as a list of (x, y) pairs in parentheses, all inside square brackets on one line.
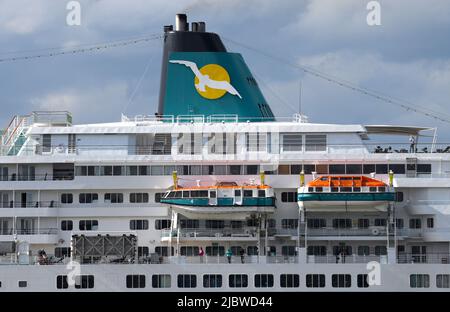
[(331, 193)]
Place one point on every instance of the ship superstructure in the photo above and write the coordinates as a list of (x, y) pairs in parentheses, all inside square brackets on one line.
[(213, 194)]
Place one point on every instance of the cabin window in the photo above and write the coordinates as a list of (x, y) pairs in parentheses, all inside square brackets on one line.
[(46, 143), (415, 223), (135, 281), (381, 189), (356, 189), (252, 250), (88, 225), (138, 224), (186, 194), (362, 280), (367, 169), (62, 252), (315, 280), (235, 169), (289, 223), (237, 193), (316, 223), (163, 251), (203, 193), (161, 281), (171, 195), (322, 169), (162, 224), (423, 168), (84, 281), (308, 169), (292, 142), (178, 194), (187, 281), (337, 169), (398, 196), (61, 282), (315, 142), (271, 223), (380, 250), (381, 168), (288, 251), (419, 281), (372, 189), (289, 280), (251, 169), (159, 171), (212, 281), (215, 251), (189, 251), (195, 170), (363, 223), (319, 189), (353, 169), (341, 280), (443, 281), (261, 193), (67, 198), (114, 198), (345, 189), (248, 193), (143, 251), (87, 198), (283, 169), (363, 250), (317, 250), (140, 197), (310, 189), (189, 143), (212, 194), (296, 169), (342, 223), (263, 280), (334, 189), (342, 250), (380, 222), (189, 224), (399, 223), (238, 280), (66, 225), (397, 168), (430, 223), (214, 224)]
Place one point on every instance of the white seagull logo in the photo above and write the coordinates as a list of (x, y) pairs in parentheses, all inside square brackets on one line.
[(204, 80)]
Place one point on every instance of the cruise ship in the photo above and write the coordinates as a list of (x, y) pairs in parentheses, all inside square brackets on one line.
[(213, 193)]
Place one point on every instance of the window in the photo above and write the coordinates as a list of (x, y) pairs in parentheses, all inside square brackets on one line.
[(288, 250), (353, 169), (251, 169), (415, 223), (214, 224), (363, 250), (238, 280), (337, 169), (316, 223), (430, 223), (289, 223), (143, 251), (163, 251), (140, 197), (256, 141), (315, 280), (248, 193), (252, 250), (162, 224), (381, 168), (380, 250), (46, 143), (363, 223), (189, 251), (443, 281), (342, 223), (341, 280), (397, 168), (84, 281), (315, 142), (399, 196), (362, 280), (161, 281), (138, 224), (289, 197), (317, 250), (187, 281), (62, 252), (23, 284), (235, 169), (158, 197), (308, 169), (367, 169), (296, 169), (61, 282), (289, 281), (135, 281), (66, 198), (419, 281), (380, 222), (399, 223), (114, 198), (263, 280), (66, 225), (423, 168), (88, 225), (212, 281), (215, 251), (292, 142), (88, 198)]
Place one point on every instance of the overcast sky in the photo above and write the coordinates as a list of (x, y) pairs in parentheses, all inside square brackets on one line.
[(406, 57)]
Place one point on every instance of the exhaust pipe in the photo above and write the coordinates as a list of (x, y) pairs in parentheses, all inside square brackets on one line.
[(181, 22)]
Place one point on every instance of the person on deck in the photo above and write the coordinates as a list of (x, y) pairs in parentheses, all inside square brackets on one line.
[(229, 254)]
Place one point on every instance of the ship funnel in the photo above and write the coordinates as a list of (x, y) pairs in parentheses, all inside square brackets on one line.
[(193, 63)]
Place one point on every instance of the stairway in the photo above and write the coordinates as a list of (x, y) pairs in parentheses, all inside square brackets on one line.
[(13, 137)]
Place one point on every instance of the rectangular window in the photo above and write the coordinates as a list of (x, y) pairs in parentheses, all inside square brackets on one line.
[(215, 224), (363, 223), (238, 280), (162, 224), (362, 280), (138, 224), (138, 198), (46, 143), (88, 225), (419, 281), (135, 281), (163, 251), (114, 198), (189, 251), (380, 250), (88, 198), (367, 169), (143, 251), (399, 223), (316, 223), (84, 281), (443, 280), (381, 168), (256, 142), (23, 284), (251, 169), (341, 280), (66, 198), (353, 169), (289, 223), (66, 225), (292, 142), (161, 281), (62, 252), (158, 197), (363, 250), (263, 280), (215, 251), (337, 169), (212, 281), (380, 222), (187, 281), (342, 223), (289, 197), (317, 250), (415, 223), (288, 251), (430, 223), (289, 280), (423, 168), (397, 168), (61, 282), (296, 169), (315, 280), (315, 142)]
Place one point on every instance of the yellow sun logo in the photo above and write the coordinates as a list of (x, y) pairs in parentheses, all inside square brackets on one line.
[(214, 72)]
